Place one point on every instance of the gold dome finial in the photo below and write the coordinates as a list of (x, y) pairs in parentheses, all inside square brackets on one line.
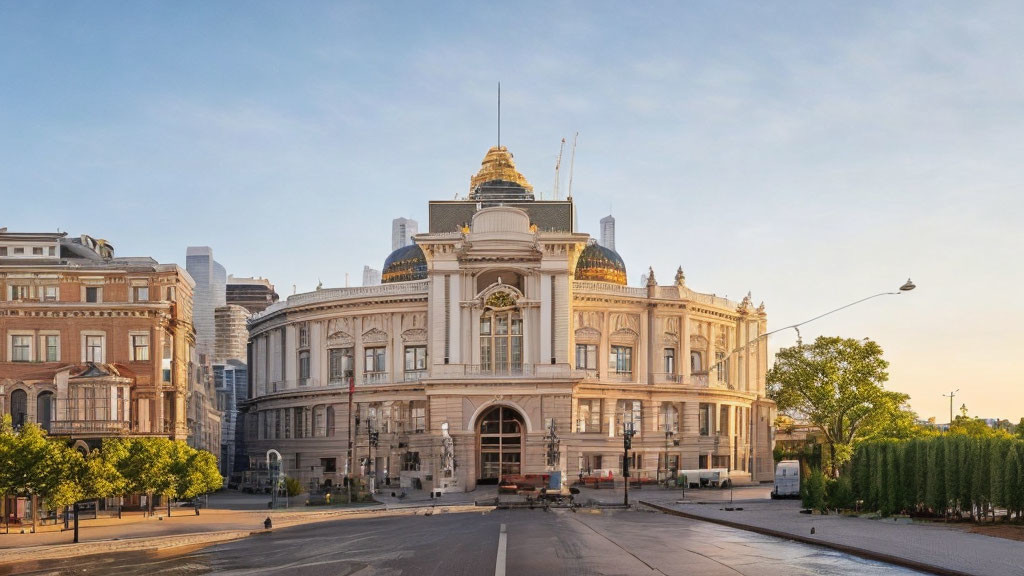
[(498, 165)]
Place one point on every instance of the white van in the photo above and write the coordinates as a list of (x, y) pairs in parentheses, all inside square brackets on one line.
[(787, 480)]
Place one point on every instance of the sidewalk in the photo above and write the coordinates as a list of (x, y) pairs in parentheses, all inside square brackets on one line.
[(214, 524), (929, 547)]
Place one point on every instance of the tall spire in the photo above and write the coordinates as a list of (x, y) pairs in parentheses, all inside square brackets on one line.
[(499, 115)]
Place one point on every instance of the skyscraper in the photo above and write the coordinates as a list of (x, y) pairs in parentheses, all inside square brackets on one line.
[(402, 231), (371, 276), (608, 232), (211, 280)]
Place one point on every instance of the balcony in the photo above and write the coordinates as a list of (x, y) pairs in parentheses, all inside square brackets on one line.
[(373, 379), (535, 371), (414, 375), (665, 378), (81, 427), (699, 379), (616, 376)]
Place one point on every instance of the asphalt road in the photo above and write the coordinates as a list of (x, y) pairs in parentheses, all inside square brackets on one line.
[(502, 542)]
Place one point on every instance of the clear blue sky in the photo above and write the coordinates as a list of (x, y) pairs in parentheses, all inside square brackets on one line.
[(813, 154)]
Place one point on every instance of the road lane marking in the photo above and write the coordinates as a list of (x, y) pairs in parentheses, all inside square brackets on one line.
[(499, 563)]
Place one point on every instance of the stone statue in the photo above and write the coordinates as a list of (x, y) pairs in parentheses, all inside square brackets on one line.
[(447, 452)]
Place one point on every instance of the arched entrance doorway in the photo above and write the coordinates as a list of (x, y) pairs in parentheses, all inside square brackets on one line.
[(499, 444)]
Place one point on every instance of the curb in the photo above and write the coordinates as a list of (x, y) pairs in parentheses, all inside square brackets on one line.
[(862, 552)]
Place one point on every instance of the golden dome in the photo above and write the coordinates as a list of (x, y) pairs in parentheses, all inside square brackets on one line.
[(601, 264), (498, 166)]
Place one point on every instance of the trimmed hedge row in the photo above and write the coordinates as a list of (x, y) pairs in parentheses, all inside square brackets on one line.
[(950, 475)]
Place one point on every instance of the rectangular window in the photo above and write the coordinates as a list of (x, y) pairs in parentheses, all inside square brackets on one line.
[(52, 251), (723, 421), (94, 349), (586, 356), (52, 347), (21, 348), (418, 415), (341, 365), (140, 293), (20, 292), (589, 415), (411, 462), (303, 367), (303, 336), (19, 250), (702, 461), (374, 360), (48, 293), (669, 417), (695, 363), (329, 465), (622, 357), (704, 419), (37, 250), (92, 294), (719, 461), (3, 250), (415, 358), (722, 367), (140, 347), (165, 365), (670, 360), (170, 293), (629, 411)]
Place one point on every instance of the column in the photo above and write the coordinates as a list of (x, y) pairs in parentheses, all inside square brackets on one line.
[(683, 362)]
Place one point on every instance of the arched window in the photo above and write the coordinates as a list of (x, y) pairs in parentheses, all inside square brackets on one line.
[(19, 408), (695, 363), (44, 410), (501, 443), (501, 335)]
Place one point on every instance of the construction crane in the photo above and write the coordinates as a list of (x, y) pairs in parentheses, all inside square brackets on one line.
[(558, 165), (572, 161)]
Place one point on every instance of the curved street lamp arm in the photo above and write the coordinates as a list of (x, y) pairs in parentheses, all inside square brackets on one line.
[(797, 325)]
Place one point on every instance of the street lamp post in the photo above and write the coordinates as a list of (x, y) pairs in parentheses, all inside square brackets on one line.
[(627, 443), (906, 287)]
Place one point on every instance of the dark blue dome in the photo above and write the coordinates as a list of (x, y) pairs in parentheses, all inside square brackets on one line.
[(405, 264), (601, 264)]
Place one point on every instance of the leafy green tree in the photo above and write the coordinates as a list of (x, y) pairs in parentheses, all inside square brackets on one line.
[(144, 464), (195, 472), (814, 491), (837, 385), (1012, 479), (1018, 431), (976, 428)]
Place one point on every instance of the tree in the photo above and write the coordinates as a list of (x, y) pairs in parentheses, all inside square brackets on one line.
[(1019, 430), (144, 464), (837, 385)]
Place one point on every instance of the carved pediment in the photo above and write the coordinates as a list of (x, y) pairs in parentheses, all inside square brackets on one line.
[(342, 339), (670, 339), (588, 335), (620, 321), (698, 342), (414, 335), (375, 336), (589, 319), (624, 335)]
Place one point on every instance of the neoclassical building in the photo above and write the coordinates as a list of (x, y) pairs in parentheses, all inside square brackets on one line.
[(519, 338)]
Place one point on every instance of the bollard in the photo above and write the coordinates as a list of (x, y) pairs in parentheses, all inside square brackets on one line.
[(812, 529), (268, 524)]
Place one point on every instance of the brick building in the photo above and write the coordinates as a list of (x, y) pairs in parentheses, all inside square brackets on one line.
[(92, 345)]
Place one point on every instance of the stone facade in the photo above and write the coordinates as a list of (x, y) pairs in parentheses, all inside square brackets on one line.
[(500, 342)]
